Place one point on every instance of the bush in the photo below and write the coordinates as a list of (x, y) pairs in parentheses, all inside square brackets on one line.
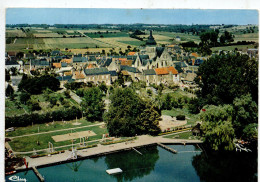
[(180, 117)]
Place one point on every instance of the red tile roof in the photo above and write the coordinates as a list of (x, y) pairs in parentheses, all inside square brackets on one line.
[(79, 75), (166, 71), (66, 60), (126, 62), (57, 65), (124, 72), (194, 54), (161, 71), (131, 53), (90, 66)]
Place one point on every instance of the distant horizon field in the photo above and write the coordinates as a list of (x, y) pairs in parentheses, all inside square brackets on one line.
[(52, 38)]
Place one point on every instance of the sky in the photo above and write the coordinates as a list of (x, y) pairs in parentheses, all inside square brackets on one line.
[(129, 16)]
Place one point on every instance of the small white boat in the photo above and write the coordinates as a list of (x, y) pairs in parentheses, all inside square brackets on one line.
[(114, 171)]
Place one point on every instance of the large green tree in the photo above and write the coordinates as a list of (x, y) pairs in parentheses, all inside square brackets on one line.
[(93, 104), (245, 117), (129, 115), (36, 85), (222, 78), (217, 127)]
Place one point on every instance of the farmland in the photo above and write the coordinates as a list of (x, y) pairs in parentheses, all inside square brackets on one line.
[(95, 40)]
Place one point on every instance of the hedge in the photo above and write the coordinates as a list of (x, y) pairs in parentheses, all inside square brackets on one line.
[(35, 118), (88, 146), (180, 117), (42, 155), (117, 141)]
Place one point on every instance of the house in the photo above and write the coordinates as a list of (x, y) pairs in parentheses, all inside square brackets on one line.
[(97, 75), (65, 79), (167, 75), (55, 53), (39, 64), (178, 38), (131, 71), (131, 53), (14, 64), (149, 76), (78, 76), (114, 75), (162, 59)]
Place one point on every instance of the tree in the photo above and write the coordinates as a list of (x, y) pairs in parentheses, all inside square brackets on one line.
[(129, 115), (245, 116), (14, 70), (24, 97), (7, 75), (9, 91), (222, 78), (93, 104), (217, 127), (37, 84)]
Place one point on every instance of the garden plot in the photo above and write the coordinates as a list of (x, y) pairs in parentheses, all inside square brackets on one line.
[(71, 136)]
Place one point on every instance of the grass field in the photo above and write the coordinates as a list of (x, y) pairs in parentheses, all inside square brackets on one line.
[(29, 143), (184, 135), (57, 125), (191, 118), (15, 33), (107, 35)]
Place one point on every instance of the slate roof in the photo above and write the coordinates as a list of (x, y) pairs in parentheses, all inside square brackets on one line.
[(107, 62), (11, 62), (129, 69), (92, 58), (149, 72), (53, 53), (96, 71), (113, 73), (65, 78), (79, 59), (150, 40), (181, 64), (64, 64), (131, 58), (159, 51), (41, 62)]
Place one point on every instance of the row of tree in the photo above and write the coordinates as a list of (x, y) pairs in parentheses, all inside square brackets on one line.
[(35, 118)]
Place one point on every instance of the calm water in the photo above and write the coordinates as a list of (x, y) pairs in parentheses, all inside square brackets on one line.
[(156, 164)]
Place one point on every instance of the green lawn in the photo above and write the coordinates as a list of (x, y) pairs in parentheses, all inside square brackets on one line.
[(29, 143), (57, 125), (184, 135), (193, 118)]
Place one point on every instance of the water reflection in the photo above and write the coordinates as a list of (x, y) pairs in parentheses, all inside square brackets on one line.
[(231, 166), (74, 166), (133, 164)]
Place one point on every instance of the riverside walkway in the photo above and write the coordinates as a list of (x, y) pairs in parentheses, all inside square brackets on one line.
[(143, 140)]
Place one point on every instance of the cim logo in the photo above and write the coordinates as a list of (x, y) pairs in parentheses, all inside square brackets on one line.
[(17, 178)]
